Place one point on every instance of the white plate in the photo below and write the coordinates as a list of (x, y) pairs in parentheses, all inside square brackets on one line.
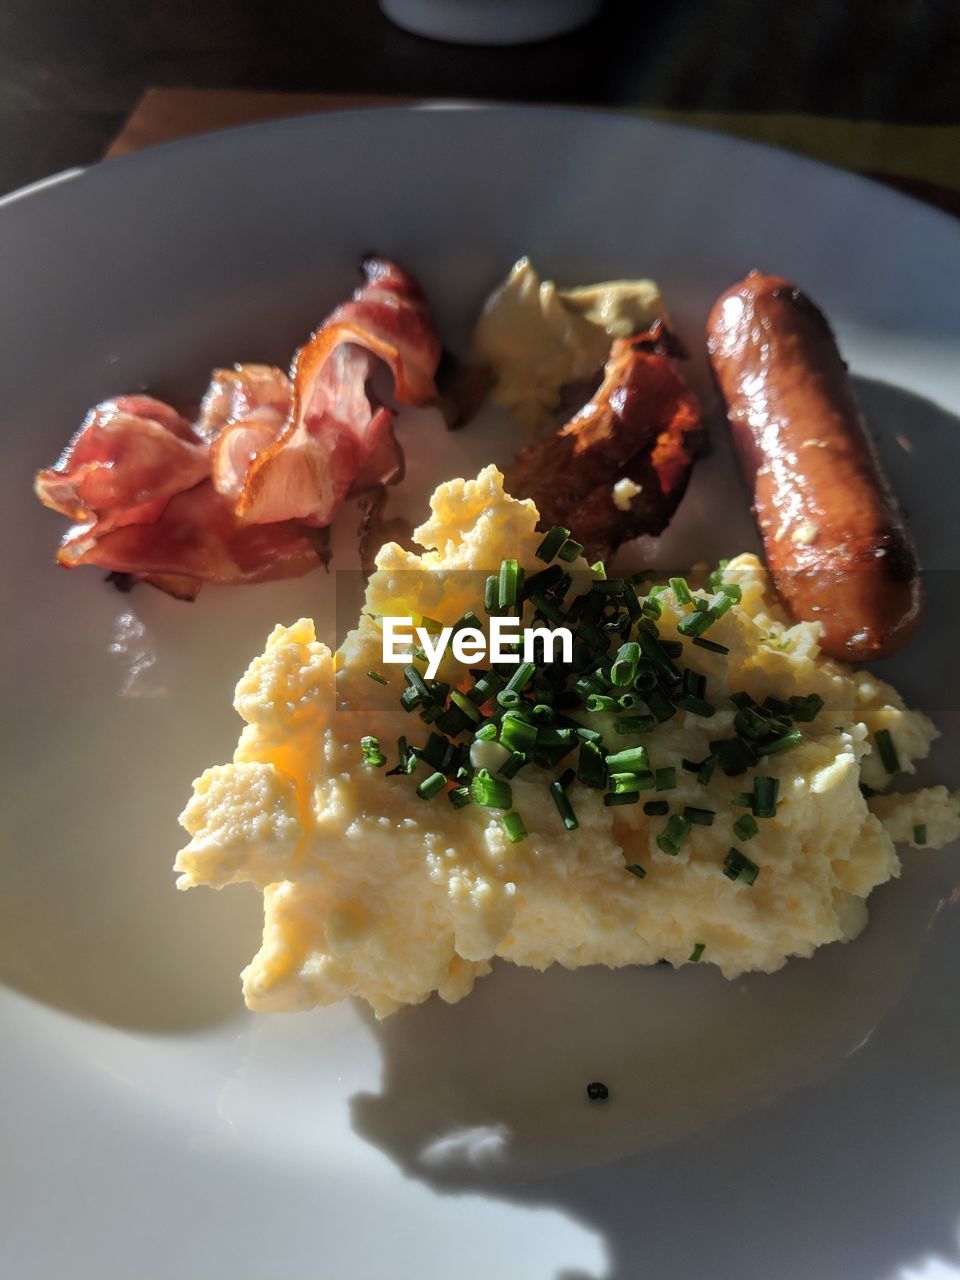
[(799, 1125)]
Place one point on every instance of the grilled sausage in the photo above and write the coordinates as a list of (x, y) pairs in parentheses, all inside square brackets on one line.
[(834, 537)]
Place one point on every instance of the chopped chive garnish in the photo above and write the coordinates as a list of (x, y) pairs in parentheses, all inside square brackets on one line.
[(599, 568), (459, 797), (566, 778), (430, 786), (646, 677), (587, 684), (681, 591), (614, 798), (624, 668), (777, 706), (765, 791), (696, 706), (517, 734), (543, 713), (691, 766), (547, 608), (591, 767), (699, 817), (633, 760), (416, 682), (746, 826), (742, 700), (635, 869), (731, 589), (512, 765), (564, 807), (665, 779), (735, 755), (602, 702), (697, 952), (887, 750), (672, 648), (375, 675), (545, 580), (510, 696), (569, 550), (469, 619), (719, 607), (784, 743), (673, 834), (658, 655), (805, 709), (408, 758), (465, 704), (552, 542), (507, 586), (491, 593), (627, 701), (712, 645), (651, 607), (488, 684), (630, 781), (737, 866), (751, 723), (490, 792), (513, 826), (696, 623), (743, 800), (920, 833), (486, 733), (706, 769), (656, 808), (694, 683), (372, 754), (660, 704)]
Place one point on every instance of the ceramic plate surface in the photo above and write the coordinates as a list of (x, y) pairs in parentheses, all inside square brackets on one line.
[(800, 1125)]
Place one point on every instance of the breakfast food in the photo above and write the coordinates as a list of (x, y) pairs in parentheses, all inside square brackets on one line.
[(244, 492), (619, 468), (833, 534), (535, 339), (687, 788)]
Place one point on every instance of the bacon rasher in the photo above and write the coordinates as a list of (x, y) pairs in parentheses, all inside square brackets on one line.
[(238, 494)]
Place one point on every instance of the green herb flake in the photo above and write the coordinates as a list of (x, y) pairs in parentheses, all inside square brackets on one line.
[(737, 866), (513, 826), (887, 750), (746, 826)]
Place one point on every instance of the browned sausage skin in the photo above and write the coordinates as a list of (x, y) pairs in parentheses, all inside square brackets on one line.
[(833, 534)]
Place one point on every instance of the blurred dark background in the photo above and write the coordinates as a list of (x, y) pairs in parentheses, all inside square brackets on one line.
[(72, 70)]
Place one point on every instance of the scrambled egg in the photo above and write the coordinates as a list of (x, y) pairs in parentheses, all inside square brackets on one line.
[(371, 891), (536, 338)]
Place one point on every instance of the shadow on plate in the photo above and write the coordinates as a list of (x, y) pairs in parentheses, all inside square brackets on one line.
[(689, 1168)]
